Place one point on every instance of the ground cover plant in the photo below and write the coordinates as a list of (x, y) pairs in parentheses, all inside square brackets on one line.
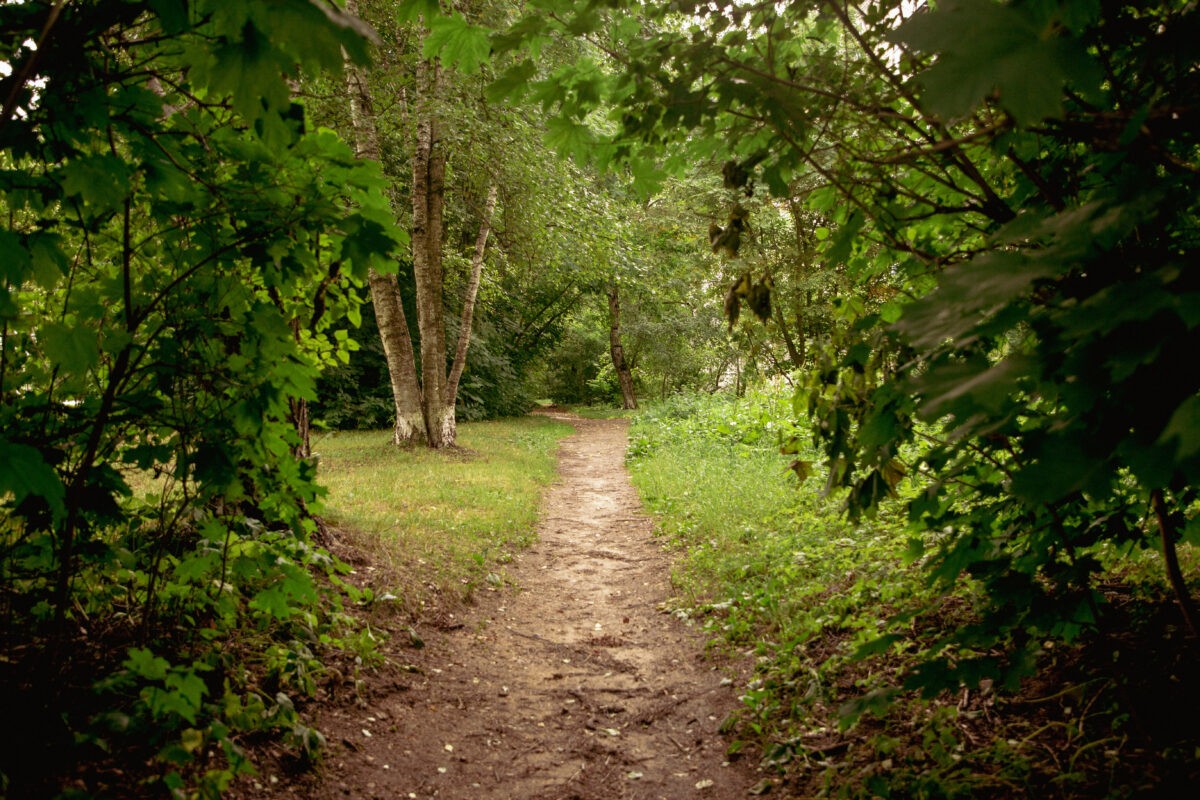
[(782, 574), (419, 531), (175, 246)]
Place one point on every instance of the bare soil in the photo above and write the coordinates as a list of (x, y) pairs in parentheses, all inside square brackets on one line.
[(571, 683)]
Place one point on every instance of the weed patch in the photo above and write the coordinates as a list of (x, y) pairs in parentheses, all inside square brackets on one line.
[(837, 614), (196, 641)]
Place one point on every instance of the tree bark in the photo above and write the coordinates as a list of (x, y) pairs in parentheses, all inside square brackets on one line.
[(398, 350), (1167, 535), (795, 355), (409, 426), (298, 408), (468, 310), (624, 376), (428, 195), (425, 402)]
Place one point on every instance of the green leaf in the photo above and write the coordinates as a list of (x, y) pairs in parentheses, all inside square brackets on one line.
[(24, 473), (840, 246), (1184, 427), (172, 15), (191, 740), (1060, 465), (14, 258), (145, 664), (648, 177), (875, 702), (189, 688), (985, 47), (969, 292), (458, 42), (99, 181), (283, 598), (198, 567), (966, 387), (513, 81), (48, 260), (570, 138), (880, 644), (413, 10), (72, 348), (366, 243)]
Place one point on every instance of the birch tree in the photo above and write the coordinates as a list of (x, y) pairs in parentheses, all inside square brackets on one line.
[(409, 425), (425, 390)]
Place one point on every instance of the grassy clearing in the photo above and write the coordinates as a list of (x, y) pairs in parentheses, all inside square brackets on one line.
[(775, 571), (601, 412), (441, 522)]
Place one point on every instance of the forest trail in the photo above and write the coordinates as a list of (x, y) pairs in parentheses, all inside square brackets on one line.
[(575, 685)]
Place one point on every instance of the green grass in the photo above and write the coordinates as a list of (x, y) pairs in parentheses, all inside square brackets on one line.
[(601, 412), (441, 520), (775, 571), (765, 562)]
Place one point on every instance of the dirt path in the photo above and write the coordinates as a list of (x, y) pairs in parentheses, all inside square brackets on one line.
[(576, 686)]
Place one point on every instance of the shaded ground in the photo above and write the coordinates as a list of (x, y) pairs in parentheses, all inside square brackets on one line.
[(573, 685)]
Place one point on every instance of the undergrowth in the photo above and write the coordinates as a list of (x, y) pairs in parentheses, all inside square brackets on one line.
[(198, 635), (836, 613)]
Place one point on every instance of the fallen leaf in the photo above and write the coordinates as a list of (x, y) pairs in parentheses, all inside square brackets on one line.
[(704, 784), (414, 640)]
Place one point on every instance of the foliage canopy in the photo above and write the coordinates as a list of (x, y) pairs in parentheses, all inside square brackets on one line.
[(175, 247), (1020, 182)]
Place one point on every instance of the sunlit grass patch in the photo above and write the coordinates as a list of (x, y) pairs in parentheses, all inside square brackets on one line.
[(441, 521), (602, 412)]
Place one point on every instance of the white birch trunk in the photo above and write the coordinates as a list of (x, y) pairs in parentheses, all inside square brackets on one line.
[(409, 423)]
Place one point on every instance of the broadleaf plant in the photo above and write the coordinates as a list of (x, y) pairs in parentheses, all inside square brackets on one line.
[(177, 247)]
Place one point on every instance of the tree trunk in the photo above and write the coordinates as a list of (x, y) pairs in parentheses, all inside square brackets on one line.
[(429, 173), (385, 289), (409, 426), (795, 354), (624, 376), (468, 310), (298, 411), (1167, 535)]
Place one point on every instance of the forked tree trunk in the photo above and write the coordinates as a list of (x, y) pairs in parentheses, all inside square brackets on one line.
[(385, 289), (624, 376), (428, 196), (425, 402)]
